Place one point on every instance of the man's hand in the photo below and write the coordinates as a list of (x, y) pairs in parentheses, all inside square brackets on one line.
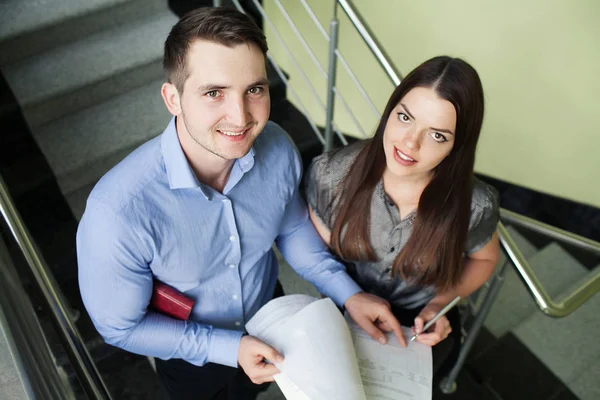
[(437, 332), (374, 315), (252, 357)]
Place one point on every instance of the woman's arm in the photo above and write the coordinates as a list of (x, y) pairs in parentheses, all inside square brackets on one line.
[(323, 231), (478, 268)]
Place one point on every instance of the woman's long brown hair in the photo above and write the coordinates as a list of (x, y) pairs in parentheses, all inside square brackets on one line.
[(433, 253)]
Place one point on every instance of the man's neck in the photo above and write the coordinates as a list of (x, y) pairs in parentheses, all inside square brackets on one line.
[(209, 168)]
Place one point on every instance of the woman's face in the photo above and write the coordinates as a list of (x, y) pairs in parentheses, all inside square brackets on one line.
[(419, 133)]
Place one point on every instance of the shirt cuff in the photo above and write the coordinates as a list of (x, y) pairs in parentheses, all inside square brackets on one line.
[(223, 347), (341, 288)]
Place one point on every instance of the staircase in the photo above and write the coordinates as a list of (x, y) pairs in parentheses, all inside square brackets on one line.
[(87, 77)]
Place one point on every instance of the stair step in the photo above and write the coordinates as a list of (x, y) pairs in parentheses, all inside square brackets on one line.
[(565, 345), (94, 133), (555, 269), (31, 27), (586, 386), (87, 65), (77, 200), (91, 173)]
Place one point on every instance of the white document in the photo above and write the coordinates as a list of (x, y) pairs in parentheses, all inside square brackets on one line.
[(315, 341), (391, 371), (329, 358)]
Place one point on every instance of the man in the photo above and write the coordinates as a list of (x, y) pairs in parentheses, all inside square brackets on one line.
[(199, 208)]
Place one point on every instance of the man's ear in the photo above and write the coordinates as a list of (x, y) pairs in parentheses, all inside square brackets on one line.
[(170, 95)]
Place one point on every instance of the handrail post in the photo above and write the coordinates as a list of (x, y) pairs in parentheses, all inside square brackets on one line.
[(448, 384), (331, 75), (80, 358)]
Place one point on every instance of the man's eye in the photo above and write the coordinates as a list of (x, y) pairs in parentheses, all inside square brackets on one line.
[(213, 93), (255, 90)]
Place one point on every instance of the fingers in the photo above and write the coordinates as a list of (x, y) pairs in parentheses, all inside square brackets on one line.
[(372, 330), (268, 352), (419, 324), (392, 323), (253, 357), (436, 333)]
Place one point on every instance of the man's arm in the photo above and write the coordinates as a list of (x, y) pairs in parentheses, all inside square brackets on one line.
[(116, 286), (305, 251)]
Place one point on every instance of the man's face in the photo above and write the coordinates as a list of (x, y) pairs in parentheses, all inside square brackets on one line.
[(225, 102)]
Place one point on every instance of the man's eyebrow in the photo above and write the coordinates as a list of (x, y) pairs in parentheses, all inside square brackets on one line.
[(260, 82), (212, 86), (431, 127)]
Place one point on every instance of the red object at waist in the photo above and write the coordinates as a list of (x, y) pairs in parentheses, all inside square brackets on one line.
[(170, 301)]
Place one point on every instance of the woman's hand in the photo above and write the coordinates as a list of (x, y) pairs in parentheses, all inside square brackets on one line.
[(374, 315), (436, 332)]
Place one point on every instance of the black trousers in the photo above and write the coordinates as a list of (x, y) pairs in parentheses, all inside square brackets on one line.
[(184, 381)]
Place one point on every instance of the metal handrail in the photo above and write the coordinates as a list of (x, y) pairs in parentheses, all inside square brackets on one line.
[(21, 334), (551, 308), (369, 39), (550, 231), (80, 359)]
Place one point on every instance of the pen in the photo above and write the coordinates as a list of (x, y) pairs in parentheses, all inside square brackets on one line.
[(439, 315)]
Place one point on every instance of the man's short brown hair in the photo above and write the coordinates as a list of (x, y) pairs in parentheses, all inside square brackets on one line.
[(221, 25)]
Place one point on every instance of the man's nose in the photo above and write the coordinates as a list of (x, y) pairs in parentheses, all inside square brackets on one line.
[(238, 112)]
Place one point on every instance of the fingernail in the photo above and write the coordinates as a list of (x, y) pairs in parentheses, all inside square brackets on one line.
[(382, 340), (279, 358)]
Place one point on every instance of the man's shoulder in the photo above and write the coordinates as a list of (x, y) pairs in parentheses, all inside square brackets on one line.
[(130, 177), (275, 146), (274, 137)]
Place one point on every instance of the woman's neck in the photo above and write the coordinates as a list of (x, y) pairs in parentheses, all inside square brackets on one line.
[(405, 190)]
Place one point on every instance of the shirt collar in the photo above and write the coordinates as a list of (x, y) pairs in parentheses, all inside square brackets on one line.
[(179, 172)]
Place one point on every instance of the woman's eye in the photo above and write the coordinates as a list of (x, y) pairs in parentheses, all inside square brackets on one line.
[(213, 93), (438, 137), (403, 117)]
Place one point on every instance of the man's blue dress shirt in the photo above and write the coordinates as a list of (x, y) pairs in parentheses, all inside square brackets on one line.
[(149, 217)]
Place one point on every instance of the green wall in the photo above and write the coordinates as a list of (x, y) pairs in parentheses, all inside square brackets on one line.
[(539, 62)]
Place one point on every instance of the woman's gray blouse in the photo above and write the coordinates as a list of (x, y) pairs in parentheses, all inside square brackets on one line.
[(388, 233)]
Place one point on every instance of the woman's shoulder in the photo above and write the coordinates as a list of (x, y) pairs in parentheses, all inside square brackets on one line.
[(484, 195), (336, 163)]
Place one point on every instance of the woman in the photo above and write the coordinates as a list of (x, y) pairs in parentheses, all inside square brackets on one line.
[(403, 208)]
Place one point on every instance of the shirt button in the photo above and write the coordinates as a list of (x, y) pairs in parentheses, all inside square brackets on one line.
[(234, 297), (232, 266), (232, 238), (238, 323)]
